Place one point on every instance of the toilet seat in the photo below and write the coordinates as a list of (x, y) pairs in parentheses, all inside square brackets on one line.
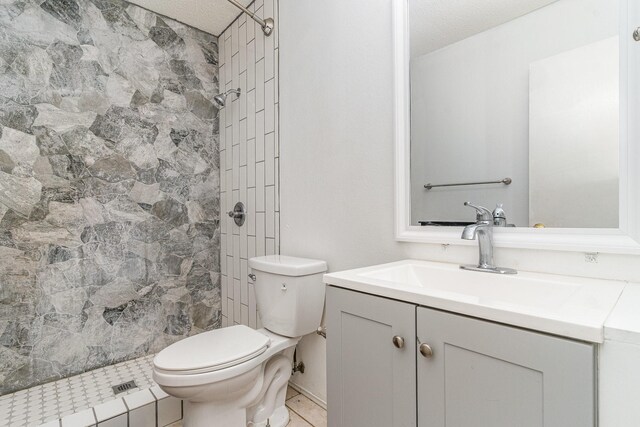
[(211, 351), (173, 378)]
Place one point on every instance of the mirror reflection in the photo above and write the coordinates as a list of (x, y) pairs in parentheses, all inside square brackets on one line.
[(515, 104)]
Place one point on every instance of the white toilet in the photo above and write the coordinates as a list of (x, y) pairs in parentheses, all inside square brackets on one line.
[(237, 376)]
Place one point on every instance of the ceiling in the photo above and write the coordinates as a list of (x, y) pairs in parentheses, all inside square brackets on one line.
[(439, 23), (212, 16)]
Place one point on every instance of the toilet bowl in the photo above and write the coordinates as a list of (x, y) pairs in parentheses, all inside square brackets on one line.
[(222, 375), (238, 376)]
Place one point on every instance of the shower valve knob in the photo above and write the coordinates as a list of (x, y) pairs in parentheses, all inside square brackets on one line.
[(238, 214)]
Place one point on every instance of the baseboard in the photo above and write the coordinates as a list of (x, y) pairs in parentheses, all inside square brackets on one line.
[(308, 394)]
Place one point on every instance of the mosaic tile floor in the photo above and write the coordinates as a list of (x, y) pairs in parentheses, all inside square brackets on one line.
[(51, 401)]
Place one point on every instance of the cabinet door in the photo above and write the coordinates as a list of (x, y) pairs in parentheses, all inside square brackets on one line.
[(483, 374), (370, 382)]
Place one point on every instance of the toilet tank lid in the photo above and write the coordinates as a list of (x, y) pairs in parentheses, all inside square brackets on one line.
[(287, 265)]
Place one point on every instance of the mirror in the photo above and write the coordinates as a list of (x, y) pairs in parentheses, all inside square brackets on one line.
[(524, 95)]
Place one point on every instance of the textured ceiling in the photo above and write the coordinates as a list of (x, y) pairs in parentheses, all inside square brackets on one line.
[(212, 16), (438, 23)]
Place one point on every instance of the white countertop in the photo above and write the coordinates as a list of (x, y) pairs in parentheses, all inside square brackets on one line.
[(568, 306), (623, 323)]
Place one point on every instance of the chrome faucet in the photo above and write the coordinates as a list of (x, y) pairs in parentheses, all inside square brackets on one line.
[(483, 229), (499, 217)]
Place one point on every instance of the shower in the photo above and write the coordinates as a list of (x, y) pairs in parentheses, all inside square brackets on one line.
[(221, 99), (267, 24)]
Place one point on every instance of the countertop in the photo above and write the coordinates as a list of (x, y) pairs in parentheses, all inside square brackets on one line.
[(568, 306), (623, 323)]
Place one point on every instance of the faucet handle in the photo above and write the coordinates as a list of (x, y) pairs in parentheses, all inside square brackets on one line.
[(483, 214)]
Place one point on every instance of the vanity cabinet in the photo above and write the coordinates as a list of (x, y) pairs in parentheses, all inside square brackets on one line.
[(450, 370), (484, 374), (371, 380)]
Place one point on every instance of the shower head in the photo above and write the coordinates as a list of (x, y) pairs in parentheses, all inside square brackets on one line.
[(221, 99)]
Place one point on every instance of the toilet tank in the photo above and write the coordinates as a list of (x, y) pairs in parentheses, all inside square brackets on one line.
[(289, 293)]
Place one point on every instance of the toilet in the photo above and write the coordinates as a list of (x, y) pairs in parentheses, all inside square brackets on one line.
[(238, 376)]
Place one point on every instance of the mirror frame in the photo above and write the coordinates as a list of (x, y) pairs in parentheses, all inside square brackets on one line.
[(623, 240)]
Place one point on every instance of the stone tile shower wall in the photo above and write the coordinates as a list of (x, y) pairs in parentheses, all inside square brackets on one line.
[(109, 186), (249, 157)]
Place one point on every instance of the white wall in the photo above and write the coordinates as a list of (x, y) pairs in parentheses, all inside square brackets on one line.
[(470, 109), (337, 156), (336, 142), (248, 158), (574, 123), (439, 23), (212, 16)]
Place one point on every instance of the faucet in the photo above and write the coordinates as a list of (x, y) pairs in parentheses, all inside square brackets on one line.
[(483, 229), (499, 217)]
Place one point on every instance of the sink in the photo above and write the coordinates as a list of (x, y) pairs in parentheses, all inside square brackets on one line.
[(563, 305), (446, 280)]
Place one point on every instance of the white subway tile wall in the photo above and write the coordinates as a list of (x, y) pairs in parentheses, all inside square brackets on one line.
[(249, 158), (89, 400)]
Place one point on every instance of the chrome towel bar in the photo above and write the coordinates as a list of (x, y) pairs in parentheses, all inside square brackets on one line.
[(505, 181)]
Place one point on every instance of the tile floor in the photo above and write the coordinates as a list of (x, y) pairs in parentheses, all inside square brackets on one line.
[(304, 412), (68, 396), (72, 396)]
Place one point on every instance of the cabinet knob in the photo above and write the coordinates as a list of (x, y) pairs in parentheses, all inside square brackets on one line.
[(398, 341), (425, 350)]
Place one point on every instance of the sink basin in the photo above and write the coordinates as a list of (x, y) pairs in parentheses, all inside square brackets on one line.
[(563, 305), (477, 287)]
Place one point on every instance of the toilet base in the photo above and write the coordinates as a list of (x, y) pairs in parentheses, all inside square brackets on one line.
[(203, 414), (207, 415), (279, 418)]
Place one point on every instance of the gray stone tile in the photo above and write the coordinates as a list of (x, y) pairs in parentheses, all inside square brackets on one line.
[(109, 217)]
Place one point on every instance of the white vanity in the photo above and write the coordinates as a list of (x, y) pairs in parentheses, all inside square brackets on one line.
[(418, 343)]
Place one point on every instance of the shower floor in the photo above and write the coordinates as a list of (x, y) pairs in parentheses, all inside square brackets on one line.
[(89, 400)]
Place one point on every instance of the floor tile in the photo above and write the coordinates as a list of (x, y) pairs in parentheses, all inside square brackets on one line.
[(307, 409), (54, 400), (296, 421), (110, 410), (79, 419), (291, 392), (303, 411), (139, 399)]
